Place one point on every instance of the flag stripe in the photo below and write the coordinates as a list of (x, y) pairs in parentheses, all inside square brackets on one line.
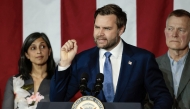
[(182, 4), (151, 18), (77, 22), (43, 16), (11, 40)]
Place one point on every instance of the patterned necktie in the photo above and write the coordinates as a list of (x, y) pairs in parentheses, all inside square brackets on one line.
[(108, 81)]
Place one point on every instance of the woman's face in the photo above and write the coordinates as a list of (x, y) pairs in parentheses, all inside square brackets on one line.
[(38, 52)]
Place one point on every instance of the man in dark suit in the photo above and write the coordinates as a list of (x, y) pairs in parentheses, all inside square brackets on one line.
[(175, 64), (134, 70)]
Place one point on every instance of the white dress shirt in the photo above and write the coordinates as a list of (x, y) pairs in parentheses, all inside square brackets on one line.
[(115, 61)]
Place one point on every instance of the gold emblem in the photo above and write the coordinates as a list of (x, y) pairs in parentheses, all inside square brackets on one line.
[(87, 102)]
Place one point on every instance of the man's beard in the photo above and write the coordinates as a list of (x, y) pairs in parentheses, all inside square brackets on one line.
[(110, 44)]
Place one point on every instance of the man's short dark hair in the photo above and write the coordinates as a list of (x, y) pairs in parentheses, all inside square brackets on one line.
[(115, 10)]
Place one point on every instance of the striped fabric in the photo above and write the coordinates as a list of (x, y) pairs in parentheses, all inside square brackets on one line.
[(73, 19)]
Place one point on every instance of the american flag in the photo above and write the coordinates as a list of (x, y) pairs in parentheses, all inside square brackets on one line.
[(73, 19)]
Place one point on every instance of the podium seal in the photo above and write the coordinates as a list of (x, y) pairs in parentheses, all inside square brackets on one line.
[(87, 102)]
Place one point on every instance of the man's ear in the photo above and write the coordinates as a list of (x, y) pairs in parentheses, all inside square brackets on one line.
[(121, 30)]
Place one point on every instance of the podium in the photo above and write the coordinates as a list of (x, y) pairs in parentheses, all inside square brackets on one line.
[(68, 105)]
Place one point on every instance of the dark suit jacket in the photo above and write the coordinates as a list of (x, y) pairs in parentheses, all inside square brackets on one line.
[(135, 79), (183, 95)]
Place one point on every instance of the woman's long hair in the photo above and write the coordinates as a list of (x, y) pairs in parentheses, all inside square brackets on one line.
[(25, 65)]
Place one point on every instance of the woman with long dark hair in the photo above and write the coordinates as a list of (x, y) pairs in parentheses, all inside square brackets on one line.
[(36, 67)]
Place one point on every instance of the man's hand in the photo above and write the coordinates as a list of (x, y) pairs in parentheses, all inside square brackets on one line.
[(68, 52)]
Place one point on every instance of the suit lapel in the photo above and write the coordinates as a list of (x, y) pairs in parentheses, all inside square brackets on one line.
[(125, 71), (93, 67), (185, 76), (167, 73)]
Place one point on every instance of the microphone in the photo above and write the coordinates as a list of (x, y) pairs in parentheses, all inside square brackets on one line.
[(83, 83), (98, 85)]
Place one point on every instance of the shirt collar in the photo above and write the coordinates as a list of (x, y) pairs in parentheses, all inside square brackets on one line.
[(116, 52), (181, 61)]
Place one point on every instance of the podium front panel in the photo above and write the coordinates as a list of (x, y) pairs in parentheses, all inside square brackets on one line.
[(68, 105)]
